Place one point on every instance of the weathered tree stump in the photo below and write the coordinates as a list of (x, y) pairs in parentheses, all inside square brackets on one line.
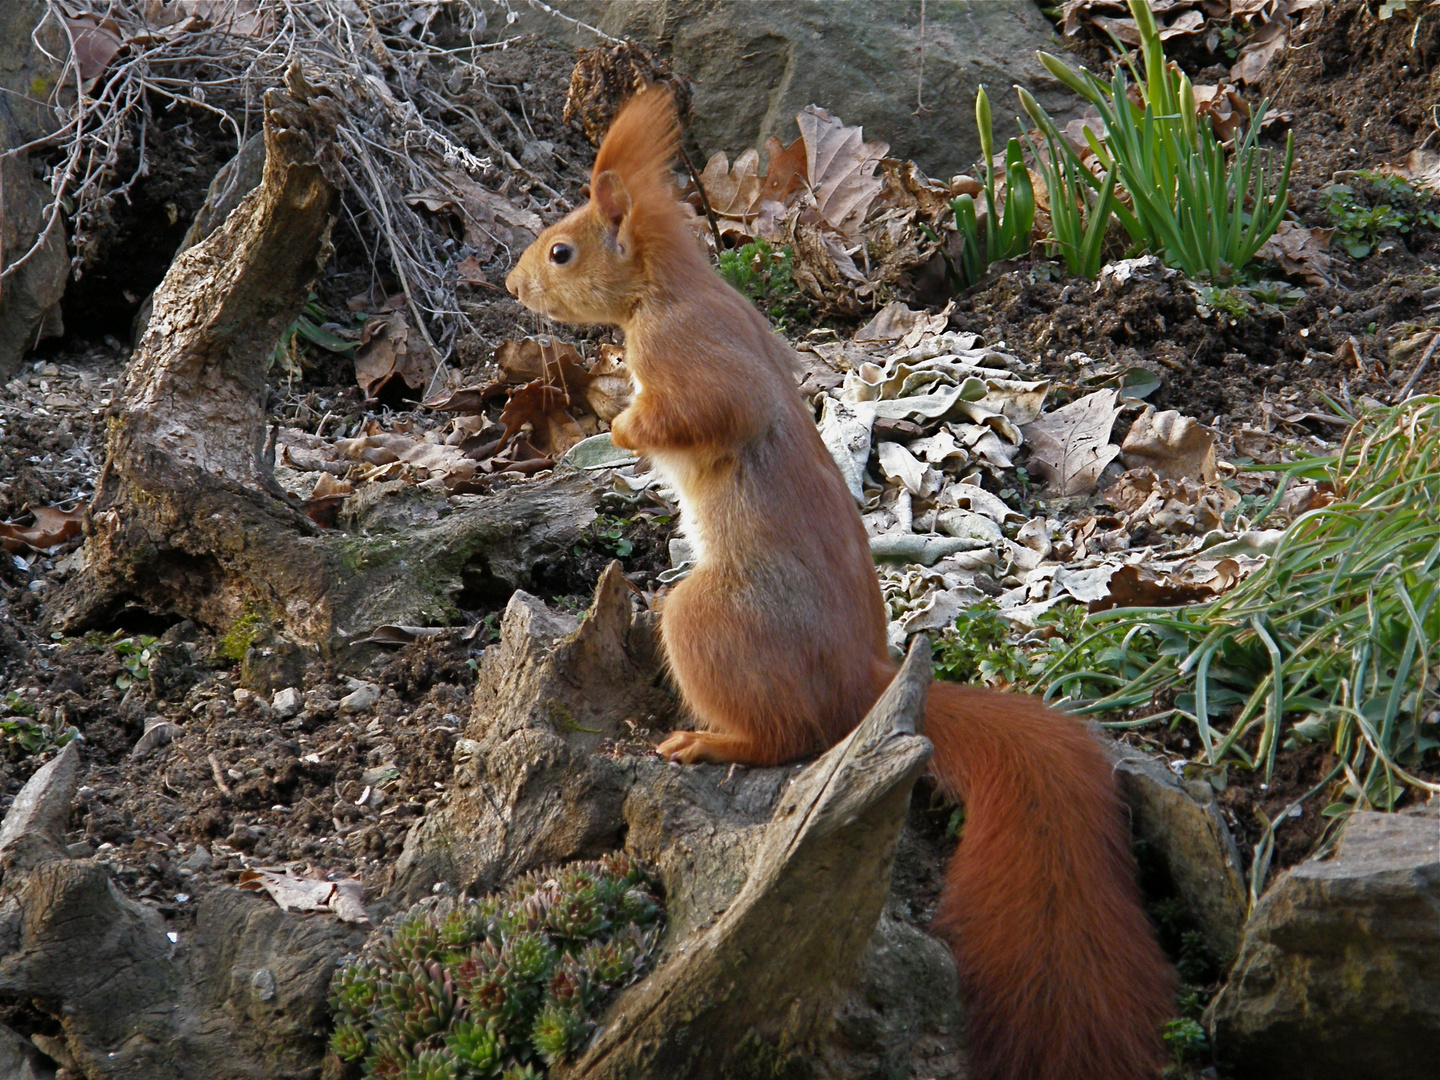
[(763, 980), (187, 517)]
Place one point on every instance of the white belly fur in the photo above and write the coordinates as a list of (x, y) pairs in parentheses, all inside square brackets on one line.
[(679, 474)]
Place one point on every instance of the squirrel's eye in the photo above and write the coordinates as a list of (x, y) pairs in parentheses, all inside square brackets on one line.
[(560, 254)]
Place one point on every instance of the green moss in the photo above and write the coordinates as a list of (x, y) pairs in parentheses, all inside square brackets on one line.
[(243, 633)]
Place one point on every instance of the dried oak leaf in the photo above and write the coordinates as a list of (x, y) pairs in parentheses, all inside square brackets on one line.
[(1175, 447), (733, 191), (52, 526), (388, 350), (1298, 250), (541, 408), (785, 172), (1071, 446), (841, 167), (1137, 585)]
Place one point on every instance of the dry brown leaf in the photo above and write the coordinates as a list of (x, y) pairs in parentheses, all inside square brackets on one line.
[(328, 495), (1175, 447), (1071, 446), (1172, 506), (1137, 585), (376, 300), (732, 192), (52, 526), (542, 409), (841, 167), (342, 898), (1298, 250), (388, 349), (785, 170), (1421, 168), (96, 41), (1259, 52), (558, 363), (448, 463)]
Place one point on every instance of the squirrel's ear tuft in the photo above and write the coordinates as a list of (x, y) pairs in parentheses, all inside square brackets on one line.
[(609, 197)]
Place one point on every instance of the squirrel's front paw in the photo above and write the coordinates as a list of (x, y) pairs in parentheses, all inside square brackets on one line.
[(621, 434), (685, 747)]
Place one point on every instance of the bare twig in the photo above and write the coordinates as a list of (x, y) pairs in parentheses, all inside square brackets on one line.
[(1420, 367), (369, 54), (219, 774)]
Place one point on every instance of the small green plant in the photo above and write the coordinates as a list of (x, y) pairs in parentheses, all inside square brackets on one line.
[(1186, 1040), (135, 654), (1081, 205), (1392, 205), (500, 987), (979, 649), (1202, 212), (1333, 640), (763, 274), (23, 736), (309, 325), (1006, 233), (607, 534), (1240, 300)]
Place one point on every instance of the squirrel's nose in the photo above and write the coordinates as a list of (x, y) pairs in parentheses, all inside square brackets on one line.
[(512, 283)]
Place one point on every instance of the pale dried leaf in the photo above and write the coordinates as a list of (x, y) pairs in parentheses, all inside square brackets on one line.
[(1259, 52), (1298, 250), (841, 167), (1071, 446), (1175, 447), (340, 898)]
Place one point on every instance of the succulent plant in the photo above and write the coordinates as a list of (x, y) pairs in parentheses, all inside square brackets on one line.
[(557, 1032), (433, 1065), (475, 1047), (348, 1041), (608, 963), (479, 990)]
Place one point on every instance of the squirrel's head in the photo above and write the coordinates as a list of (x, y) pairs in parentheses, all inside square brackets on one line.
[(584, 268), (597, 263)]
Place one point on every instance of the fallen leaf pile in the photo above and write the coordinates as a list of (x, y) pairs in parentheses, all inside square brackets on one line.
[(932, 430), (1263, 26), (545, 399), (849, 212)]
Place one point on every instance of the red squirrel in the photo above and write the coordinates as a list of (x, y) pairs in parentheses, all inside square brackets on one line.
[(776, 638)]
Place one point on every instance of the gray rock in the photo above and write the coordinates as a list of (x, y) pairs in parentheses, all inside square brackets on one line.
[(243, 997), (19, 1060), (1182, 826), (34, 826), (287, 702), (198, 860), (1339, 971), (30, 296), (756, 65), (361, 699)]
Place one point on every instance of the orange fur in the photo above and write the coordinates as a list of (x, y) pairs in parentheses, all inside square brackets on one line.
[(776, 639)]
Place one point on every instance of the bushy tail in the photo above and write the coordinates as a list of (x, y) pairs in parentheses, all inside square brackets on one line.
[(1059, 966)]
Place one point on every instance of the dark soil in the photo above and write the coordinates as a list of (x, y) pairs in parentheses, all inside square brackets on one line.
[(328, 792)]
